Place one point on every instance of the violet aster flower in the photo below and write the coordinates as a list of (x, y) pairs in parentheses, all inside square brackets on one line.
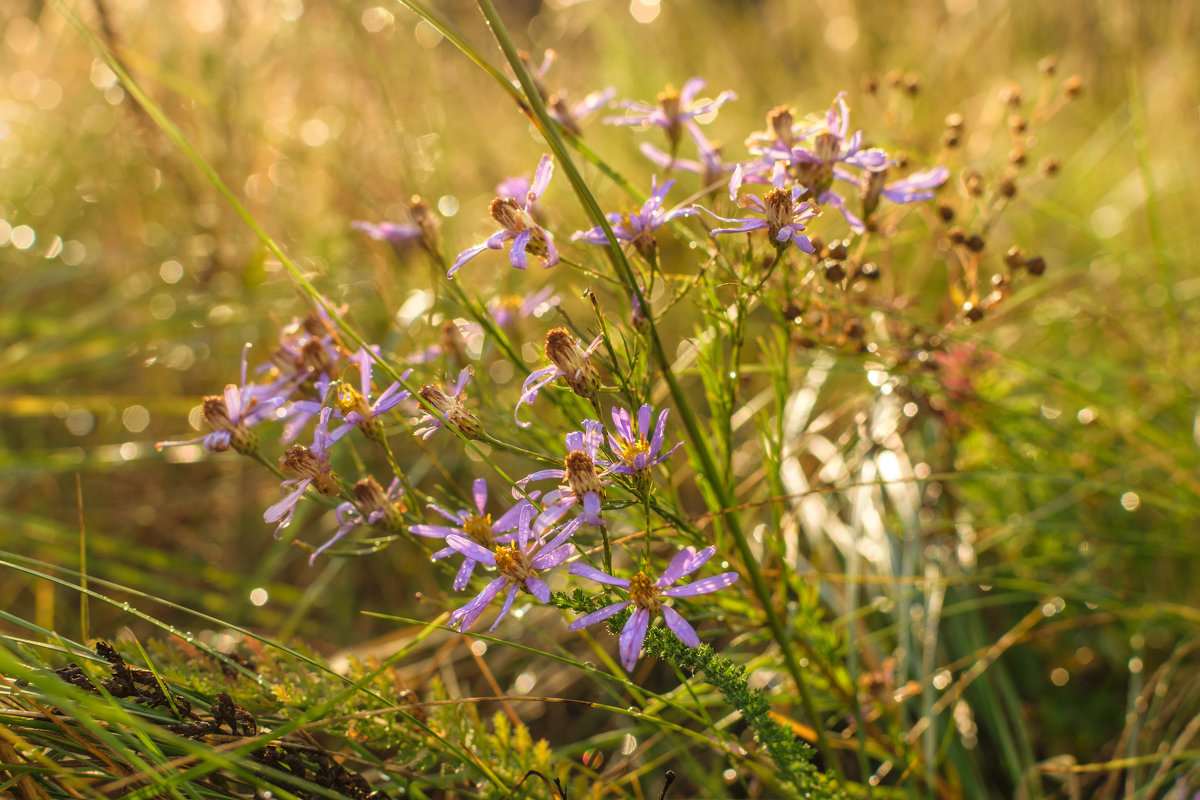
[(507, 311), (638, 229), (581, 484), (783, 215), (449, 408), (673, 112), (372, 506), (568, 360), (233, 413), (311, 467), (356, 410), (645, 596), (816, 168), (636, 448), (914, 188), (570, 116), (518, 227), (519, 566), (423, 231), (477, 526)]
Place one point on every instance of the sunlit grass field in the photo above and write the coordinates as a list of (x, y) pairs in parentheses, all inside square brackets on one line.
[(962, 512)]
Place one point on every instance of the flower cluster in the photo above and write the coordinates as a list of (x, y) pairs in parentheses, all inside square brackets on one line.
[(602, 471)]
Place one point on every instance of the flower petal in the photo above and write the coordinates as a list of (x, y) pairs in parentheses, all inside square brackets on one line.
[(587, 620)]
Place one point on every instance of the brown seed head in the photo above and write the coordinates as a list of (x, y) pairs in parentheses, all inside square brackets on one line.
[(372, 498), (578, 371), (241, 438), (581, 475)]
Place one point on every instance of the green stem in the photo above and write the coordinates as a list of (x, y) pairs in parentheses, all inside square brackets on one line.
[(549, 129)]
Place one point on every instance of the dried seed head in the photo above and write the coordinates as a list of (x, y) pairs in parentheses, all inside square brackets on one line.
[(1073, 86), (780, 210), (578, 371), (872, 191), (562, 112), (869, 270), (1048, 65), (946, 212), (241, 438), (975, 243), (912, 83), (1008, 188), (1016, 156), (951, 138), (1017, 123), (315, 358), (582, 476), (453, 344), (303, 462), (1049, 166), (1035, 265), (957, 235), (834, 273), (643, 593), (869, 84), (372, 498), (509, 214), (974, 183), (452, 410), (779, 122), (839, 249), (1014, 258), (427, 221), (1010, 94), (972, 312), (669, 104), (954, 121)]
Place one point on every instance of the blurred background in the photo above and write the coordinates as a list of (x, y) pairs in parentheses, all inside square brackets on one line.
[(128, 286)]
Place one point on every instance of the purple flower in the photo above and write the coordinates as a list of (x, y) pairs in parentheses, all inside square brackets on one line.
[(507, 311), (373, 506), (569, 116), (638, 229), (673, 112), (449, 409), (914, 188), (783, 215), (356, 410), (423, 232), (710, 168), (518, 227), (816, 168), (233, 413), (635, 454), (389, 232), (518, 564), (477, 527), (582, 484), (311, 467), (568, 360), (644, 596)]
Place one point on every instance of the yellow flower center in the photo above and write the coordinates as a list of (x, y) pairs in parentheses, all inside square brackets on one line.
[(513, 564), (479, 529), (632, 450), (643, 592)]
